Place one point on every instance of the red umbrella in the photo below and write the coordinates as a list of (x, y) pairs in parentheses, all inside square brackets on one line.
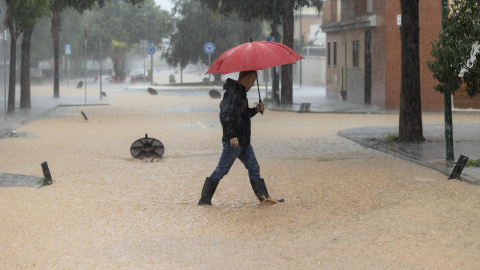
[(254, 55)]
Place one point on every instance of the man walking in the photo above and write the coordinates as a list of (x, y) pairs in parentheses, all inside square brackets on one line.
[(235, 119)]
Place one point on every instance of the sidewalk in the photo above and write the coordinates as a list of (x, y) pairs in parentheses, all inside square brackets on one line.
[(42, 103), (431, 153)]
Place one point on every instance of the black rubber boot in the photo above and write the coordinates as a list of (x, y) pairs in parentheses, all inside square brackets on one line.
[(260, 189), (208, 190)]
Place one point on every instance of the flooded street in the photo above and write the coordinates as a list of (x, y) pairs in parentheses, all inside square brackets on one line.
[(345, 206)]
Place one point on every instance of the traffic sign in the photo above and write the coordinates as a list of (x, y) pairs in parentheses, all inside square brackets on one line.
[(274, 39), (209, 48), (68, 49), (151, 50)]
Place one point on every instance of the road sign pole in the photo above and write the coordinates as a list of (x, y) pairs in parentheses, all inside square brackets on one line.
[(67, 69), (151, 51), (100, 69), (85, 70), (3, 8), (143, 56), (85, 65), (68, 51), (151, 67), (209, 48), (4, 69)]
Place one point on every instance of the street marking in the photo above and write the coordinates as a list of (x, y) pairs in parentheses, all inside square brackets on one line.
[(201, 125)]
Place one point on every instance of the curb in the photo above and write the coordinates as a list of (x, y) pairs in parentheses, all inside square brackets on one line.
[(398, 154), (24, 121)]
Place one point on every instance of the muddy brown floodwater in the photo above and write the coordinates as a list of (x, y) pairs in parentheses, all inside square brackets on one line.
[(346, 207)]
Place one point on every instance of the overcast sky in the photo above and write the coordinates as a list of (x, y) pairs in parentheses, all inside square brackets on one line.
[(165, 4)]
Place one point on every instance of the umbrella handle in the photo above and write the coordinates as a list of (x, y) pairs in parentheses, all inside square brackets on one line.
[(259, 98)]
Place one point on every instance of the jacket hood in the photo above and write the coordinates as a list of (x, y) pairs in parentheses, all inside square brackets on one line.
[(233, 84), (229, 83)]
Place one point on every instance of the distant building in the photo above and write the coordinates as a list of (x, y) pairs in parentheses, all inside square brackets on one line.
[(310, 43), (364, 51)]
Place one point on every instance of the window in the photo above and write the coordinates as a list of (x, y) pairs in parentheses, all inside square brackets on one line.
[(356, 53), (328, 53), (335, 53)]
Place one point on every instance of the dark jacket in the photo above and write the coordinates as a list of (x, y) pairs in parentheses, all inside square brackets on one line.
[(235, 114)]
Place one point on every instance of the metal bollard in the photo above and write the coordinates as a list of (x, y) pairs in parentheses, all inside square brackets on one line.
[(457, 170), (46, 173)]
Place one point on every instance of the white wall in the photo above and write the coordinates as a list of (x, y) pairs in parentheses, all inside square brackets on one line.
[(313, 71)]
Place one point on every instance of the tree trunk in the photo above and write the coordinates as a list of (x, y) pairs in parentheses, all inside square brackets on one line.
[(25, 97), (410, 124), (117, 66), (13, 61), (287, 70), (55, 30)]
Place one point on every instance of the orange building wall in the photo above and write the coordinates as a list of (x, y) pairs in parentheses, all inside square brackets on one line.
[(461, 100), (332, 90), (386, 54), (392, 55), (378, 57), (328, 14), (430, 26), (308, 20)]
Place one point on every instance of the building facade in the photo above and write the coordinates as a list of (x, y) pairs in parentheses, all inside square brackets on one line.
[(311, 45), (364, 51)]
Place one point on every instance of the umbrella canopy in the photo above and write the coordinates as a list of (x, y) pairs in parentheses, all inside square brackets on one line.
[(254, 55)]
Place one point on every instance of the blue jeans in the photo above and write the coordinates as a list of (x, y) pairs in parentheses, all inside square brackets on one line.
[(228, 157)]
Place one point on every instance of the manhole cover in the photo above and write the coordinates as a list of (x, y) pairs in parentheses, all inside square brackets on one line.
[(147, 148)]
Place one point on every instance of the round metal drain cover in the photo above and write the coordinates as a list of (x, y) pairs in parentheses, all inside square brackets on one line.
[(214, 94), (147, 148)]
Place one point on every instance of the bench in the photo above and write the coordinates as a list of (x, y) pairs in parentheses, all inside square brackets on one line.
[(304, 107)]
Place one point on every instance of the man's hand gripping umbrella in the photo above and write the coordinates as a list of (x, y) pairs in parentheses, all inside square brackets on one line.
[(259, 98)]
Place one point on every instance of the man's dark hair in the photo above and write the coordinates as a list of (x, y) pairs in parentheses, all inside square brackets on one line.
[(246, 73)]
